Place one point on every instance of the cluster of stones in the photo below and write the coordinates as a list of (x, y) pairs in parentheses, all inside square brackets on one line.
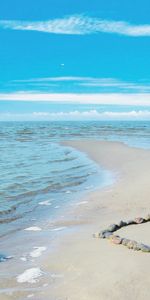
[(116, 239)]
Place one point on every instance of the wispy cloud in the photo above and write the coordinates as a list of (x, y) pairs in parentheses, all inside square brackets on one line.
[(55, 79), (109, 84), (79, 25), (99, 98)]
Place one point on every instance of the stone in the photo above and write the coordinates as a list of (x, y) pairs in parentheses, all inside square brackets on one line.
[(102, 234), (139, 220), (112, 228), (125, 241), (145, 248), (121, 224), (147, 218), (136, 246), (96, 235), (107, 235), (131, 244), (130, 222), (115, 239)]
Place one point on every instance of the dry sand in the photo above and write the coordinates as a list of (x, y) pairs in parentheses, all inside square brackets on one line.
[(93, 269)]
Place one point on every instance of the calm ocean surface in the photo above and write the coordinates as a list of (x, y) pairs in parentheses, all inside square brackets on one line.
[(39, 176)]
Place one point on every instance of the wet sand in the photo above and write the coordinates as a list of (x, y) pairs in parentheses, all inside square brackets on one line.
[(84, 268)]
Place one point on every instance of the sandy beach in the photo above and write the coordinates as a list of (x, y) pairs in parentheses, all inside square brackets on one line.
[(94, 269), (85, 268)]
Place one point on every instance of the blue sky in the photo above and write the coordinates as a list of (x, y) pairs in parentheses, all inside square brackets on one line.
[(74, 51)]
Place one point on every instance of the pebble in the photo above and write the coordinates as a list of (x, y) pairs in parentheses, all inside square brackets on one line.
[(139, 220), (112, 228), (116, 239), (147, 218), (130, 222), (145, 248), (121, 224)]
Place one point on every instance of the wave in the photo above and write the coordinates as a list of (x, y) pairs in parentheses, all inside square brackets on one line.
[(79, 115), (94, 114)]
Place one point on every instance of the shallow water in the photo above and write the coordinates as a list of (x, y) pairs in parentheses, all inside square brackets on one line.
[(39, 175), (40, 178)]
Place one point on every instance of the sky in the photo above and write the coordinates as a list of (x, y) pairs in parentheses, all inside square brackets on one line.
[(73, 51)]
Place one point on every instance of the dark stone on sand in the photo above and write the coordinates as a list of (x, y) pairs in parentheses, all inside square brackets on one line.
[(121, 224), (112, 228), (108, 234), (104, 234), (145, 248), (130, 222)]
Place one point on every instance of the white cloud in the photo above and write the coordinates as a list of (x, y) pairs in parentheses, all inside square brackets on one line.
[(79, 25), (55, 79), (83, 82), (99, 98)]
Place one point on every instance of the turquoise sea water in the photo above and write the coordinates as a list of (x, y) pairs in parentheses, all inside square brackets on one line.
[(35, 168), (40, 176)]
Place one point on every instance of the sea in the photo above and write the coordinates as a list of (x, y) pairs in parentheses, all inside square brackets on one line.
[(41, 178), (39, 173)]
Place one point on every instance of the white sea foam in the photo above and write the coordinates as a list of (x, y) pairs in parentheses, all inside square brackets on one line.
[(81, 203), (58, 228), (88, 187), (57, 275), (57, 206), (37, 251), (30, 296), (46, 202), (30, 275), (45, 284), (23, 258), (33, 228)]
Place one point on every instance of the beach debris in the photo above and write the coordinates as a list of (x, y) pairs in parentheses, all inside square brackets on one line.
[(116, 239)]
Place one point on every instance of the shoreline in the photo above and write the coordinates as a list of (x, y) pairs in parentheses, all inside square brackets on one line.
[(95, 269), (85, 268)]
